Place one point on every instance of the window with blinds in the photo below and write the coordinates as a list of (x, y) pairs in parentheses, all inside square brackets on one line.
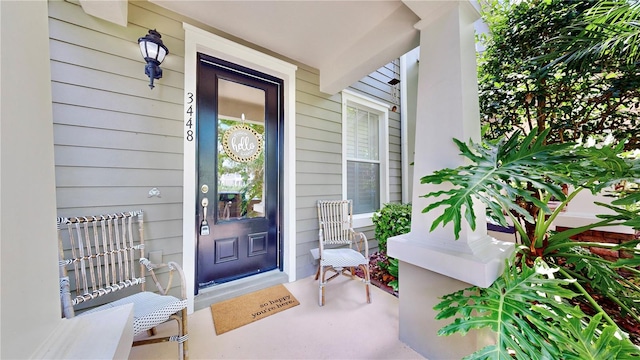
[(363, 159)]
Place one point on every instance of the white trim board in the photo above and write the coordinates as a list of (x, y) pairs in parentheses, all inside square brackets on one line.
[(348, 96)]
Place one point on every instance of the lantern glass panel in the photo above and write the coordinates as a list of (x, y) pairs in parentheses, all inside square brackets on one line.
[(161, 53), (143, 49), (152, 50)]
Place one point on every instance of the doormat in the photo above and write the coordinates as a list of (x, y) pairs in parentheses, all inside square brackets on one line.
[(245, 309)]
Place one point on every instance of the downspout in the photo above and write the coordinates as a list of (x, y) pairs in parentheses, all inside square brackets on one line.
[(404, 133)]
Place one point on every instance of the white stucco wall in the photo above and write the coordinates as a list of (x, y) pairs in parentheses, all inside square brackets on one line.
[(582, 210), (28, 245)]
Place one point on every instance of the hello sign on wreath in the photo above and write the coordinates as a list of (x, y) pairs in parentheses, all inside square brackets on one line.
[(242, 143)]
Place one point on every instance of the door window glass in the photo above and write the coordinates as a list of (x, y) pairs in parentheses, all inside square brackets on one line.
[(241, 126)]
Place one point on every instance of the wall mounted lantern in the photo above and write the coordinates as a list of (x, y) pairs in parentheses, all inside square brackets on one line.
[(153, 51)]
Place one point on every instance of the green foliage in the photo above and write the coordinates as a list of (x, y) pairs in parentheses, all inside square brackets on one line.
[(392, 269), (499, 173), (608, 32), (522, 85), (505, 308), (516, 177), (553, 72), (507, 173), (527, 309), (393, 219)]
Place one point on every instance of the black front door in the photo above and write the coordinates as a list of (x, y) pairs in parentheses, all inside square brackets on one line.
[(239, 115)]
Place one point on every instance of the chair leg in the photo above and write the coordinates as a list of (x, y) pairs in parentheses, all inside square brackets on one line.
[(321, 283), (318, 272), (185, 332), (179, 340), (182, 338), (368, 294), (367, 281)]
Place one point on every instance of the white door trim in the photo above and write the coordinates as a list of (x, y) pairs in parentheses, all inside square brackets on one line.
[(198, 40)]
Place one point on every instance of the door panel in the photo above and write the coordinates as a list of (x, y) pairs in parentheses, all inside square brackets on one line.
[(239, 151)]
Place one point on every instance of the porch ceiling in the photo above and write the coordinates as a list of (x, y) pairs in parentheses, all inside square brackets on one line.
[(345, 40)]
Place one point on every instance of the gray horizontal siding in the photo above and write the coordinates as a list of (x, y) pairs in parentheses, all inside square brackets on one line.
[(74, 176), (319, 152), (114, 138), (377, 87), (68, 114)]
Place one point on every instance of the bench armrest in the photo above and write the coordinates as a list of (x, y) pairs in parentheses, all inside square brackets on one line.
[(173, 266)]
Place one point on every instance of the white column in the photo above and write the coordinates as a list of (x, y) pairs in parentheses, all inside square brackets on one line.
[(447, 108), (435, 263), (30, 308)]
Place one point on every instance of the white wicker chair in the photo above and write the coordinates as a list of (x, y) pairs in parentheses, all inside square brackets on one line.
[(335, 218), (103, 255)]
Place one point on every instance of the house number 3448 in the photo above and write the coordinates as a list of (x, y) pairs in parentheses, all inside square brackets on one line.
[(189, 123)]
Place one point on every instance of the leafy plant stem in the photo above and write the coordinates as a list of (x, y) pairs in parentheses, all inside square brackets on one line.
[(589, 298), (576, 275), (543, 223), (612, 298), (519, 228), (563, 204), (541, 226), (585, 244), (570, 232), (626, 308), (581, 256), (633, 286)]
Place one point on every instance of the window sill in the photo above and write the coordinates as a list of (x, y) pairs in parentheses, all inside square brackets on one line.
[(362, 220)]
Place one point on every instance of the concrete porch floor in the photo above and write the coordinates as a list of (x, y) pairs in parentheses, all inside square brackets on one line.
[(345, 328)]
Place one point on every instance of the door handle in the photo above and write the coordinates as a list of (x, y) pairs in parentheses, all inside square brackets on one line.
[(205, 203), (204, 225)]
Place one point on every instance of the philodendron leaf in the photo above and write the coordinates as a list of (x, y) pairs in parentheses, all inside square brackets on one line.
[(595, 341), (499, 174), (622, 216), (630, 199), (528, 310), (600, 275), (507, 307)]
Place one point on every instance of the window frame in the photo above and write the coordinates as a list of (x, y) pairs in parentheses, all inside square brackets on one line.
[(351, 98)]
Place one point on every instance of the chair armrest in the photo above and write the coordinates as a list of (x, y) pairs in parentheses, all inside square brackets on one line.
[(321, 239), (363, 239), (172, 266), (65, 298)]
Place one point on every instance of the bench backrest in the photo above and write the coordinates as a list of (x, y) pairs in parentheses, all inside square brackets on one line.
[(100, 255)]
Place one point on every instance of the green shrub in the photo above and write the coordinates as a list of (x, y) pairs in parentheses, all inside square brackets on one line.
[(391, 220), (392, 269)]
